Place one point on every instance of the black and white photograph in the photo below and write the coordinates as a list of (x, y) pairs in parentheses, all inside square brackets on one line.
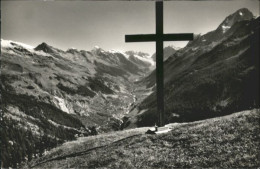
[(129, 84)]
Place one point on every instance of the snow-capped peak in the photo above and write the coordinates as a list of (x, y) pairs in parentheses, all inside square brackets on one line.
[(144, 59), (5, 44), (239, 15), (97, 49), (10, 44), (113, 51)]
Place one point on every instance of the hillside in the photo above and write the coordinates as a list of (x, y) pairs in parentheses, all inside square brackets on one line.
[(215, 74), (226, 142)]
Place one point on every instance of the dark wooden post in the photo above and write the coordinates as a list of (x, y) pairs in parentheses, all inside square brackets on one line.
[(159, 62)]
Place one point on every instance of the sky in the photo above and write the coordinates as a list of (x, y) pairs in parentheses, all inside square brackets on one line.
[(85, 24)]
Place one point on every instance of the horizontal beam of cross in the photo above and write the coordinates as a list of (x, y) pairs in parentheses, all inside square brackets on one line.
[(154, 37)]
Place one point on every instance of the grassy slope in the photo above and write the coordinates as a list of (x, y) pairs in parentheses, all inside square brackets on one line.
[(229, 141)]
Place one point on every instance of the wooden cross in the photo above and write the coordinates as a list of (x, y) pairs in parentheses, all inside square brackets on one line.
[(159, 37)]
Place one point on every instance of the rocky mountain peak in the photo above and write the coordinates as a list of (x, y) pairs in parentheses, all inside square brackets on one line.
[(172, 47), (210, 39), (44, 47), (97, 50), (73, 51), (239, 15)]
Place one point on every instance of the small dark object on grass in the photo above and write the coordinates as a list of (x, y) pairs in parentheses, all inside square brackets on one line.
[(150, 132)]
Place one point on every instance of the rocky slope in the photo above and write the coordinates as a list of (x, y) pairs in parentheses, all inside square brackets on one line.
[(215, 74), (53, 95)]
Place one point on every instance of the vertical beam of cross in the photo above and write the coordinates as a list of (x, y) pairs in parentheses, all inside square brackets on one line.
[(159, 38), (159, 62)]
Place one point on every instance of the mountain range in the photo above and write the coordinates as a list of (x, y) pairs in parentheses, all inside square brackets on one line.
[(53, 95), (50, 96)]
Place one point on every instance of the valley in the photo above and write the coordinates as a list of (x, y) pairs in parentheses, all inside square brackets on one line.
[(51, 96)]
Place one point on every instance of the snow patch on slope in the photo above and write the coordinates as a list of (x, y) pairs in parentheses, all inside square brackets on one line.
[(61, 104), (225, 28), (59, 125)]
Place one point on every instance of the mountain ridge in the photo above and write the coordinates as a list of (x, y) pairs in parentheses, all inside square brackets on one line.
[(212, 73)]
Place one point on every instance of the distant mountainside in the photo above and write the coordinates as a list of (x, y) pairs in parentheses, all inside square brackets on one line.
[(53, 95), (167, 52), (215, 74)]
